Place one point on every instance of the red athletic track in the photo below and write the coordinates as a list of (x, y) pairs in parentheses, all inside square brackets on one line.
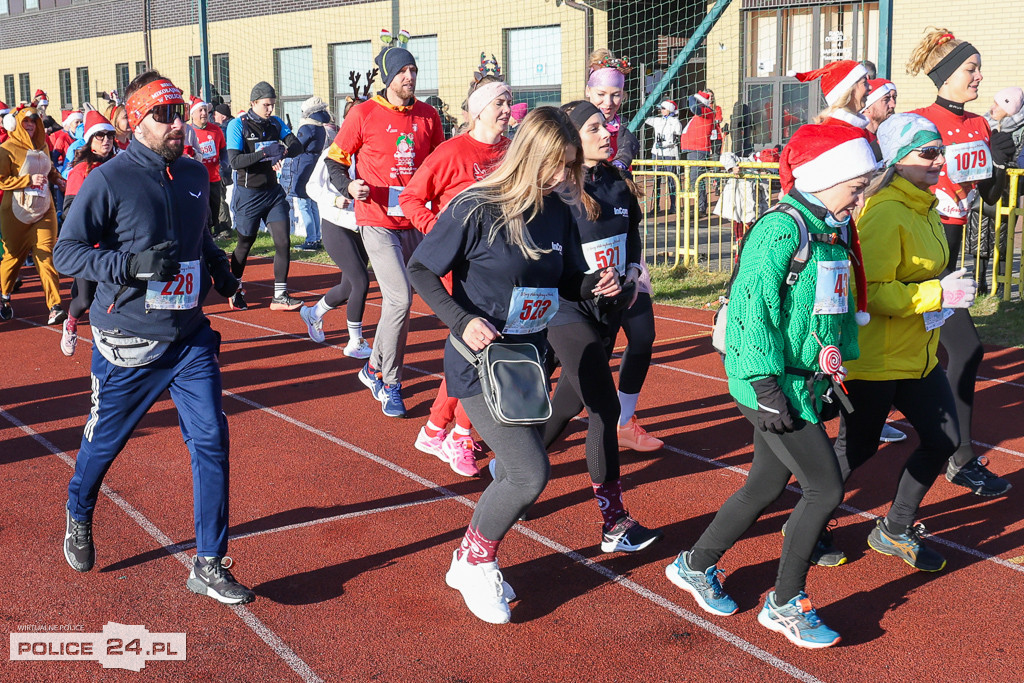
[(358, 592)]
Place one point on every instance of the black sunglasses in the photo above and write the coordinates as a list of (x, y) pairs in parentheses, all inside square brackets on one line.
[(166, 113), (931, 153), (105, 134)]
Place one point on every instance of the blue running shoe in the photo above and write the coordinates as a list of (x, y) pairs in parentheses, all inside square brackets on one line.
[(798, 621), (371, 380), (907, 546), (705, 587), (390, 397)]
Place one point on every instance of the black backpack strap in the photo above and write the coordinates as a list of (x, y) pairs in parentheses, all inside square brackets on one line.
[(800, 257)]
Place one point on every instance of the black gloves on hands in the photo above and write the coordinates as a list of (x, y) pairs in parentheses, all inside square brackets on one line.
[(1003, 150), (612, 304), (156, 263), (224, 281), (773, 412)]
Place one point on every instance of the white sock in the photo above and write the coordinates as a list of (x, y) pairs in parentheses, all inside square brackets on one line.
[(462, 431), (355, 331), (321, 308), (433, 428), (280, 289), (627, 407)]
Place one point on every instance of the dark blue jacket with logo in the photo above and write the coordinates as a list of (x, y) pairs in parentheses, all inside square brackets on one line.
[(131, 203)]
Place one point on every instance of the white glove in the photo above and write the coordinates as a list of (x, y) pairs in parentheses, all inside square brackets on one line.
[(956, 291)]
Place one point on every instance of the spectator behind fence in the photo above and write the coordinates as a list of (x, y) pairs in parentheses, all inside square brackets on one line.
[(667, 132), (695, 142), (313, 136)]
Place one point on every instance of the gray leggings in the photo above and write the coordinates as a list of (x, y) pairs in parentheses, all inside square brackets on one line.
[(521, 472)]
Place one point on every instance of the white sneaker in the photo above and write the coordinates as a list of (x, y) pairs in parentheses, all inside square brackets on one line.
[(482, 588), (891, 435), (314, 325), (69, 338), (430, 444), (357, 348)]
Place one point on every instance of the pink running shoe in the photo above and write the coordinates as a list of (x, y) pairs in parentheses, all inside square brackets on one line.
[(458, 452), (431, 444)]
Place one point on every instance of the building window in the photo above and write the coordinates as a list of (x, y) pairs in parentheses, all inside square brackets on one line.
[(26, 88), (293, 73), (533, 63), (9, 94), (122, 78), (4, 9), (140, 67), (424, 49), (84, 94), (344, 59), (220, 75), (195, 76), (31, 5), (67, 100)]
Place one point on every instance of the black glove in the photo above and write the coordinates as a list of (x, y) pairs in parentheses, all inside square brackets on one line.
[(224, 281), (613, 304), (773, 412), (156, 263), (1003, 149)]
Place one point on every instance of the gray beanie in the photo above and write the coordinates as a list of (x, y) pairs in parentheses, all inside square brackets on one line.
[(391, 60), (261, 90)]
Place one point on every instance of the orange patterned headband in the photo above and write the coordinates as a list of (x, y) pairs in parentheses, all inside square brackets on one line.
[(151, 95)]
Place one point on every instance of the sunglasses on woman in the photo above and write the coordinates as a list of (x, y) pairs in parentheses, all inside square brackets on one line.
[(105, 134), (931, 153), (166, 113)]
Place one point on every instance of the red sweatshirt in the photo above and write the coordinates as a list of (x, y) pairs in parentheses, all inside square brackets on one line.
[(390, 143), (696, 135), (967, 156), (451, 168), (211, 143)]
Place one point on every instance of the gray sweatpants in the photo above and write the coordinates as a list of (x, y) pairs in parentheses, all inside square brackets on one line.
[(520, 475), (389, 250)]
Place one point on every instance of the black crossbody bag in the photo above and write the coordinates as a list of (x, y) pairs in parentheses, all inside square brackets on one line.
[(515, 386)]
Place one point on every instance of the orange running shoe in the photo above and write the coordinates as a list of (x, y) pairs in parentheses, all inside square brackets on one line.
[(632, 435)]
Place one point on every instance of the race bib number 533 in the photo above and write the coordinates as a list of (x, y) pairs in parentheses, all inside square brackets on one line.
[(530, 309), (179, 294)]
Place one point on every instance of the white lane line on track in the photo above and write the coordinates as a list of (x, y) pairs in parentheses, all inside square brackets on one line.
[(313, 522), (279, 647), (597, 567)]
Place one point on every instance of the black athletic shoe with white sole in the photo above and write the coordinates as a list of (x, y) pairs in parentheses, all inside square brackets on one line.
[(210, 576), (79, 550), (628, 536), (976, 476)]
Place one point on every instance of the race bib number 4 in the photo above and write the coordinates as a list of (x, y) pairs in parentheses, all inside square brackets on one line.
[(530, 309), (832, 294), (179, 294), (607, 253), (968, 162), (394, 209)]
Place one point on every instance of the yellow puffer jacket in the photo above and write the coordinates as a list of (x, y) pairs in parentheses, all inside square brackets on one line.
[(905, 250)]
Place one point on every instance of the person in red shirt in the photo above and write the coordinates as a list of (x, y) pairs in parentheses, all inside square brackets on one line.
[(62, 139), (390, 135), (975, 160), (695, 142), (212, 151), (454, 166)]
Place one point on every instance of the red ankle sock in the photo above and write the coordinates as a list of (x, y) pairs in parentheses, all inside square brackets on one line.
[(609, 498), (476, 549)]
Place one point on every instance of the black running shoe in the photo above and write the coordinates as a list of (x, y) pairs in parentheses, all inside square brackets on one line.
[(6, 312), (17, 284), (57, 316), (210, 576), (976, 476), (78, 548), (237, 301), (907, 546), (628, 536), (825, 553), (285, 302)]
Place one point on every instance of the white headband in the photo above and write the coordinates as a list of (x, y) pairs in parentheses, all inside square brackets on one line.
[(484, 95)]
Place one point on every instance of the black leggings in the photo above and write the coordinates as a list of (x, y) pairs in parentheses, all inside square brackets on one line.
[(82, 293), (638, 324), (928, 405), (586, 381), (965, 353), (520, 473), (346, 249), (282, 251), (806, 454)]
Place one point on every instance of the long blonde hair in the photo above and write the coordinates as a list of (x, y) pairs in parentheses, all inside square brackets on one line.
[(845, 102), (515, 189), (936, 44)]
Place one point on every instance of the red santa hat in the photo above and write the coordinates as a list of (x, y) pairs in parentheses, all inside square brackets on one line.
[(195, 103), (40, 98), (879, 86), (4, 109), (836, 78), (670, 105), (72, 115), (95, 122), (823, 156), (704, 97)]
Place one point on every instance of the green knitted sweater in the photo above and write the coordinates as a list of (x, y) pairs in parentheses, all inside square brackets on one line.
[(771, 326)]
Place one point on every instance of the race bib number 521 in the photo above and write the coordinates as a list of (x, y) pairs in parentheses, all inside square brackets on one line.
[(607, 253)]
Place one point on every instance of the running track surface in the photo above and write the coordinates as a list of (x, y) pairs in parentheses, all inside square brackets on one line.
[(344, 530)]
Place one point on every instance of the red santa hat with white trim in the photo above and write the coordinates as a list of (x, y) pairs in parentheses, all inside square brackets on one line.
[(40, 99), (879, 87), (704, 97), (836, 78), (95, 122), (195, 103), (4, 109), (822, 157)]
